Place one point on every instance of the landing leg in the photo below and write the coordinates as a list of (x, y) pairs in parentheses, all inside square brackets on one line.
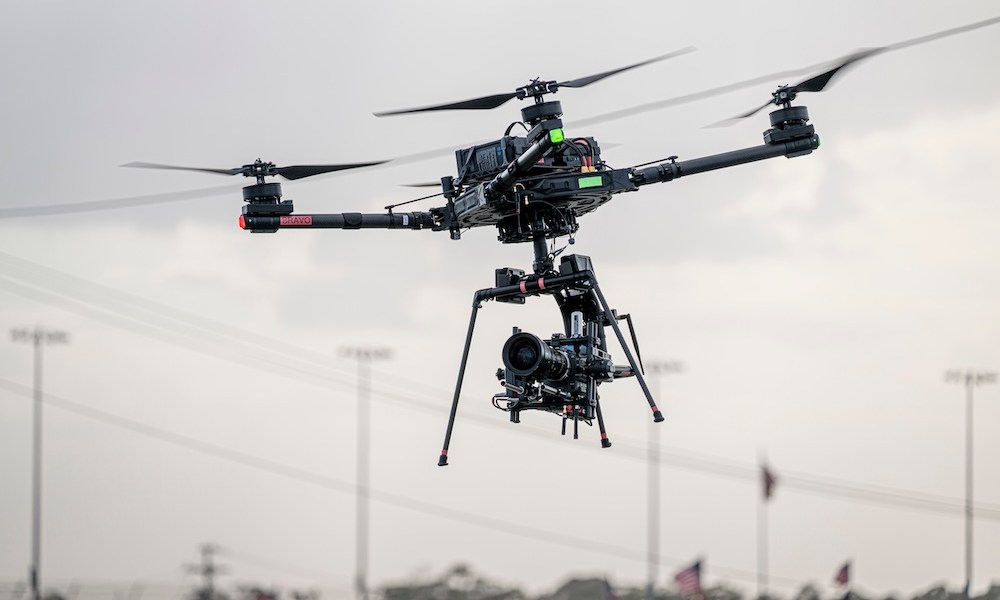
[(609, 315), (605, 442), (443, 459)]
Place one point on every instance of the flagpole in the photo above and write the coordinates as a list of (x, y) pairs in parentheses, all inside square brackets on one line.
[(762, 547), (657, 369)]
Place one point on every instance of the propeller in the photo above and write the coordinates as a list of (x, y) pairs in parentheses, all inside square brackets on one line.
[(261, 169), (771, 77), (44, 210), (535, 89), (785, 94), (291, 172)]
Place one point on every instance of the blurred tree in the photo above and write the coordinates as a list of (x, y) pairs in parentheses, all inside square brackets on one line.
[(939, 592), (586, 589), (255, 592), (594, 589), (721, 591), (204, 593), (458, 583), (808, 592)]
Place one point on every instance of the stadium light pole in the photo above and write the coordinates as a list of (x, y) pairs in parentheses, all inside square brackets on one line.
[(970, 379), (37, 337), (657, 369), (364, 356)]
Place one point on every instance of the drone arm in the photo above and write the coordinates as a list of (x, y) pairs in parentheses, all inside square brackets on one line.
[(669, 171), (411, 220)]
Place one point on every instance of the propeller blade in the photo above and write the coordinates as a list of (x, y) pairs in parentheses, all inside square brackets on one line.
[(426, 184), (930, 37), (813, 84), (291, 172), (483, 103), (689, 98), (584, 81), (299, 171), (488, 102), (817, 83), (770, 78), (146, 165), (737, 118), (44, 210)]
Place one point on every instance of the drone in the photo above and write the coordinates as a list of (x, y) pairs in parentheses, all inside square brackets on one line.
[(533, 188)]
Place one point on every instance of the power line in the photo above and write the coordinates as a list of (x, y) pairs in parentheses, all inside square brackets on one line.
[(178, 336), (390, 498), (332, 483), (187, 330), (270, 563), (816, 485), (70, 291)]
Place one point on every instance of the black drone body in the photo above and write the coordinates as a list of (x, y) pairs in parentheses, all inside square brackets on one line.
[(533, 188), (530, 186)]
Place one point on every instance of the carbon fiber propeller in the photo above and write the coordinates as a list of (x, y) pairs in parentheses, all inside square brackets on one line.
[(261, 169), (535, 88)]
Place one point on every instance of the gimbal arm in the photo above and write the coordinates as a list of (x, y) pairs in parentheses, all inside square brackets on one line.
[(669, 171)]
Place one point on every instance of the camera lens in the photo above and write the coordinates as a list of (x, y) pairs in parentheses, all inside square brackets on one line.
[(523, 356), (528, 356)]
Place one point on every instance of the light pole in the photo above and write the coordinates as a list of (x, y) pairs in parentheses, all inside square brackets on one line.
[(364, 356), (657, 369), (37, 337), (970, 379)]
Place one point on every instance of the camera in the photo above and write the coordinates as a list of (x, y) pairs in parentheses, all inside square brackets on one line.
[(558, 375)]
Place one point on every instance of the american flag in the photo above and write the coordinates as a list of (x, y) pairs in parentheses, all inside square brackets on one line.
[(609, 592), (769, 480), (843, 576), (689, 580)]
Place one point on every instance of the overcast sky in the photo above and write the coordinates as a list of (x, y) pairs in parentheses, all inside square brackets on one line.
[(815, 303)]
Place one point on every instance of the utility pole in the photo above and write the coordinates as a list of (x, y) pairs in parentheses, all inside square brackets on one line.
[(364, 356), (970, 379), (657, 369), (38, 337), (208, 569)]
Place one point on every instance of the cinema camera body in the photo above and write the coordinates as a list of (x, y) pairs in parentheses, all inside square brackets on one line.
[(560, 375)]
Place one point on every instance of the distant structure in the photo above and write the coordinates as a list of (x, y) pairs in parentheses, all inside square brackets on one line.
[(38, 337), (208, 569)]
